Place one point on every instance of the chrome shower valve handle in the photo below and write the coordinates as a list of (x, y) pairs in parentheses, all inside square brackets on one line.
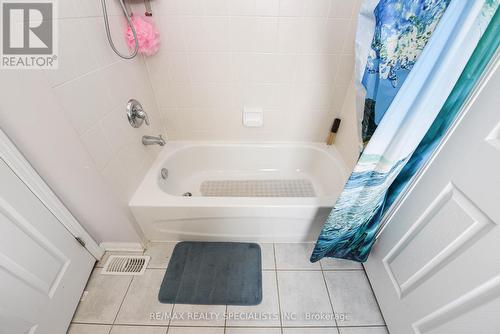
[(136, 114)]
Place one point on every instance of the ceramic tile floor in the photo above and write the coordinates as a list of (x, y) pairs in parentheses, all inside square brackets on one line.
[(299, 297)]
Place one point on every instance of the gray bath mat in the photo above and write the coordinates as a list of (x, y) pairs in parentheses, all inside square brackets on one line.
[(213, 273)]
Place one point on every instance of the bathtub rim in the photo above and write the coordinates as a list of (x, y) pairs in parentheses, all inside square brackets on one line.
[(149, 193)]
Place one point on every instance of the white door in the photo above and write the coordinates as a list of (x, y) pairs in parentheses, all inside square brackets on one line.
[(436, 266), (43, 269)]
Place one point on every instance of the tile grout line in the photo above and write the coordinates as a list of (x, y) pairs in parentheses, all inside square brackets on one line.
[(124, 324), (329, 296), (198, 326), (90, 324), (225, 320), (312, 270), (123, 299), (165, 268), (236, 326), (374, 296), (171, 315), (276, 270), (124, 296), (363, 326), (277, 288)]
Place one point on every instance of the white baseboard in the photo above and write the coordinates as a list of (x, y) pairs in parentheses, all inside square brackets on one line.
[(122, 246)]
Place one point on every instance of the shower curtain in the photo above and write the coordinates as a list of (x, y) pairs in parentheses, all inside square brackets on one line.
[(401, 32), (394, 125)]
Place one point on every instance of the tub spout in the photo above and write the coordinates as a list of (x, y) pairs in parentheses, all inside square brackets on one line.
[(152, 140)]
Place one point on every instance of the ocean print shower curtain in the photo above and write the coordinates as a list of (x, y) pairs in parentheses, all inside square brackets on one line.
[(403, 29), (485, 50)]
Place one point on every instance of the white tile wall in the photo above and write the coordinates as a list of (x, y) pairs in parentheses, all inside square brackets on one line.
[(293, 58), (93, 85)]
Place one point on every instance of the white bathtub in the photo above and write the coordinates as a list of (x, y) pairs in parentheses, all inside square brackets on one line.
[(226, 170)]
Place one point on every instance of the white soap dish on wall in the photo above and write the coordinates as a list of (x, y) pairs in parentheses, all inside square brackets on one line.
[(253, 117)]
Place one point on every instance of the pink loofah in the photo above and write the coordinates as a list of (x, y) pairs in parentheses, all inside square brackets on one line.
[(149, 37)]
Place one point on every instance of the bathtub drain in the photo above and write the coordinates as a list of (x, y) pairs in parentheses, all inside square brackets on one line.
[(187, 194)]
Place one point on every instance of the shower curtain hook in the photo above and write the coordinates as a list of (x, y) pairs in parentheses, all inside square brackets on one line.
[(149, 11)]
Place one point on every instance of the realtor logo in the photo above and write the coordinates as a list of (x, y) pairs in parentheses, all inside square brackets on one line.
[(28, 35)]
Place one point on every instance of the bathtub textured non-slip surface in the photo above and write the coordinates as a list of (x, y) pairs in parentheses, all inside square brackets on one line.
[(258, 188), (213, 273)]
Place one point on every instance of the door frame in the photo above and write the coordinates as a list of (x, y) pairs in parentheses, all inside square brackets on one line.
[(27, 174)]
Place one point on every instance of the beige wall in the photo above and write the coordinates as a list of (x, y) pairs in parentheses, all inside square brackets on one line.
[(71, 125), (34, 120)]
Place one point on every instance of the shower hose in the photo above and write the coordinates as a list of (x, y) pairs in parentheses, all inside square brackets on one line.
[(108, 33)]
